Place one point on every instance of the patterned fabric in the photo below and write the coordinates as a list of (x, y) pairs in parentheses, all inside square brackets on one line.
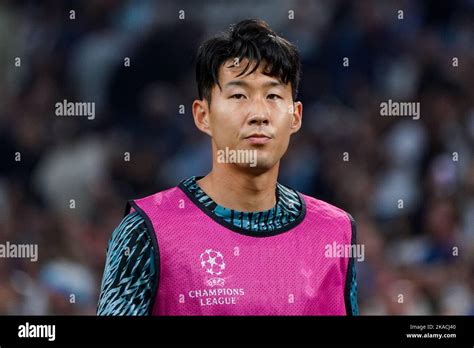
[(129, 272), (287, 209), (353, 292)]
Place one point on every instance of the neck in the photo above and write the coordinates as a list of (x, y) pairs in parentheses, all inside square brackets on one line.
[(234, 188)]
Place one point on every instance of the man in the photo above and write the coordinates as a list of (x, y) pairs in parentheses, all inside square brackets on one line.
[(235, 242)]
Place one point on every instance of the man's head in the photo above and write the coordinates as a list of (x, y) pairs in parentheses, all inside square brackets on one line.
[(248, 81)]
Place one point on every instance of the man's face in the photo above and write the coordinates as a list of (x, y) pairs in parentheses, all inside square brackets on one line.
[(254, 113)]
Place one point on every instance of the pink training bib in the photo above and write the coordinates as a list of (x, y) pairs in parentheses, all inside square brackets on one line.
[(207, 266)]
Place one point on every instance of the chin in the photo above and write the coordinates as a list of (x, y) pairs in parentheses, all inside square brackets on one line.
[(260, 166)]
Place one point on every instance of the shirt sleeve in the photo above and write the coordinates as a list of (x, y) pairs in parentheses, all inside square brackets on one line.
[(353, 292), (350, 291), (129, 272)]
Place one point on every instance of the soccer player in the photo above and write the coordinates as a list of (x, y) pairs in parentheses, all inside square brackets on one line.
[(235, 242)]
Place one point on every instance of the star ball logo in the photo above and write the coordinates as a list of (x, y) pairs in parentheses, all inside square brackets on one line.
[(213, 263)]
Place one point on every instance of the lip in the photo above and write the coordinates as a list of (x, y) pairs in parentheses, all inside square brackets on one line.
[(258, 138)]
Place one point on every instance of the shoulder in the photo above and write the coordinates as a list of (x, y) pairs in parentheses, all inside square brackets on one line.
[(328, 212), (130, 228), (158, 197)]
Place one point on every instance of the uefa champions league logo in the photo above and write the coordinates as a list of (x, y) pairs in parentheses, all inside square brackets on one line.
[(213, 263)]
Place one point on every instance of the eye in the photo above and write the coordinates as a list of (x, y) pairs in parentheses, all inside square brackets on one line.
[(237, 96), (274, 96)]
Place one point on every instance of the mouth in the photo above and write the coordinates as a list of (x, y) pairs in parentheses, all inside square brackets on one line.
[(258, 138)]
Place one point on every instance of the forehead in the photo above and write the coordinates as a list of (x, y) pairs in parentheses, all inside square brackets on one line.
[(232, 68)]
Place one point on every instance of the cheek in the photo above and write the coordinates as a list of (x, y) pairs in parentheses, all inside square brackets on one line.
[(283, 127), (282, 122), (225, 125), (283, 143)]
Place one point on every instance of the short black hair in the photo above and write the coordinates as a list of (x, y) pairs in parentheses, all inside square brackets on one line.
[(254, 40)]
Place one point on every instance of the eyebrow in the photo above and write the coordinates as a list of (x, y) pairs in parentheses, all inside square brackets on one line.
[(246, 84)]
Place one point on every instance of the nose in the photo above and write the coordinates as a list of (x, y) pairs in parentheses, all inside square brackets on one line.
[(258, 119), (258, 114)]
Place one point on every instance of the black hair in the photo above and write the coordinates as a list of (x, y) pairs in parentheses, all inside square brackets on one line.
[(250, 39)]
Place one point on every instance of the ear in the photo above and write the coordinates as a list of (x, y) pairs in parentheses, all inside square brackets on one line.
[(201, 116), (296, 116)]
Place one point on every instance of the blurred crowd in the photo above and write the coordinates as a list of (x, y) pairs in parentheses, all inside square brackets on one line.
[(408, 183)]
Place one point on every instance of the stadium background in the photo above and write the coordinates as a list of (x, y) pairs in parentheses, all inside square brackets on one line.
[(408, 250)]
